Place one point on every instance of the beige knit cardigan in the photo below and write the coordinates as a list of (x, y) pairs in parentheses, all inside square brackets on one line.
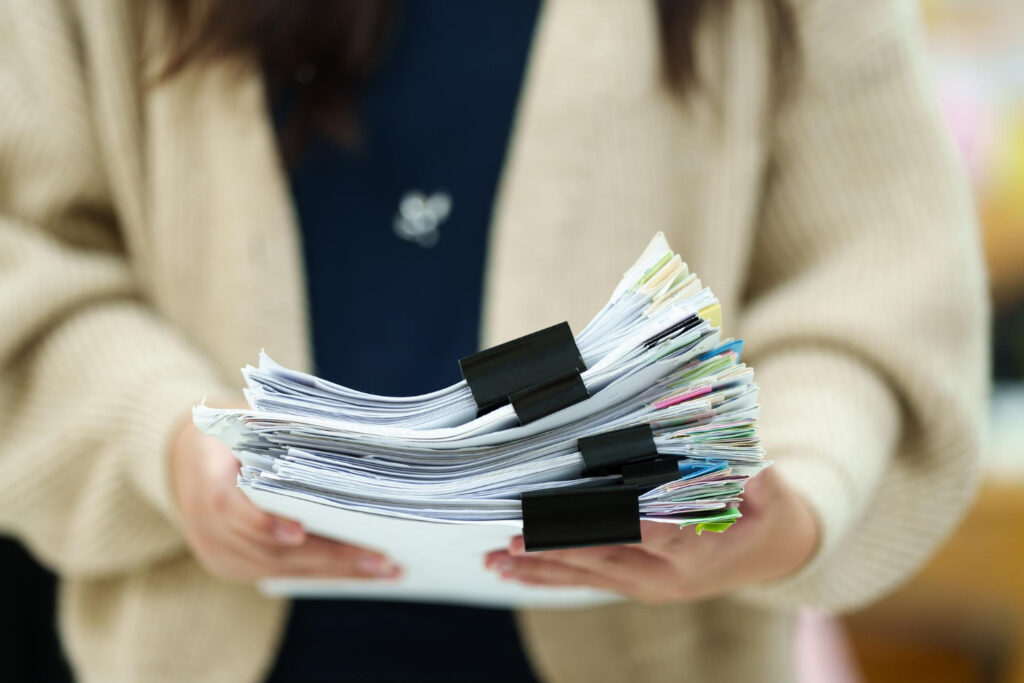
[(148, 249)]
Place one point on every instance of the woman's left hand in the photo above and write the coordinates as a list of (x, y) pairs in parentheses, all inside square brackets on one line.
[(776, 536)]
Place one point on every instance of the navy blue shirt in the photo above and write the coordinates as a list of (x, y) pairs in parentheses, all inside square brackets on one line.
[(395, 236), (392, 314)]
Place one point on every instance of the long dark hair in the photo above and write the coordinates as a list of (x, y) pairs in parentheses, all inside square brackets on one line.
[(328, 48)]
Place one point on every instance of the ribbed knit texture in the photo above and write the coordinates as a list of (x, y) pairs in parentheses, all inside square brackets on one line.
[(148, 250)]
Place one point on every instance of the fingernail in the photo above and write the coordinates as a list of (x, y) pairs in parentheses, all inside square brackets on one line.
[(504, 564), (517, 546), (378, 566), (289, 533)]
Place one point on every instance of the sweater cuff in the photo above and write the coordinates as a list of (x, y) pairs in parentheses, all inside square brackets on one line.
[(153, 425), (830, 423)]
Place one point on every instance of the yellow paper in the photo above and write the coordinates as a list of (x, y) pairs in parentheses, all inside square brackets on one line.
[(713, 314)]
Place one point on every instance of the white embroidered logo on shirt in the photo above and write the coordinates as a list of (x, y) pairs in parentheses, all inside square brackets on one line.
[(419, 217)]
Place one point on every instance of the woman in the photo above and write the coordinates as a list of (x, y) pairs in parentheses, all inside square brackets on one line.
[(157, 177)]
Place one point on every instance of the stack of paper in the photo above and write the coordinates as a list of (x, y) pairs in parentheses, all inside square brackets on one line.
[(435, 486)]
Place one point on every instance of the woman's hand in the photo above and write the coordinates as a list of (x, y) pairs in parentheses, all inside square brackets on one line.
[(776, 536), (235, 540)]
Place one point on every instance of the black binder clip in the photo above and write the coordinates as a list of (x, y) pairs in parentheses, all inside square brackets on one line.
[(680, 328), (630, 452), (576, 517), (647, 475), (606, 453), (538, 374)]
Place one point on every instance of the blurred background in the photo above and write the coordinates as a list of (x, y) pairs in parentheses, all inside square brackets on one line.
[(962, 619)]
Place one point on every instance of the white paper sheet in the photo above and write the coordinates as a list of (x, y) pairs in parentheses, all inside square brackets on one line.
[(442, 562)]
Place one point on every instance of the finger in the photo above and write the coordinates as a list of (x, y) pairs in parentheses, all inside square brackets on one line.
[(233, 556), (316, 557), (655, 535), (492, 558), (762, 492), (232, 508), (662, 538), (326, 558), (516, 546), (627, 565), (538, 572), (676, 545), (245, 519), (623, 556)]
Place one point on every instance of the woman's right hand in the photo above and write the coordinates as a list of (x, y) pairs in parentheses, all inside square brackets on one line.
[(233, 539)]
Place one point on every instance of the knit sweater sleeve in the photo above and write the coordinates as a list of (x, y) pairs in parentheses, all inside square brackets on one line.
[(866, 318), (92, 379)]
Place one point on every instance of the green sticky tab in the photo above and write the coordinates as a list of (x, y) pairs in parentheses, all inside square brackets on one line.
[(716, 527), (717, 521)]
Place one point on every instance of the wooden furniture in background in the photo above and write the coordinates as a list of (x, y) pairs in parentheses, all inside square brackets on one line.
[(961, 619)]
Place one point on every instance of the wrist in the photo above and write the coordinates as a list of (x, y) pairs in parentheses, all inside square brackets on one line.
[(789, 529), (182, 447), (800, 532)]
